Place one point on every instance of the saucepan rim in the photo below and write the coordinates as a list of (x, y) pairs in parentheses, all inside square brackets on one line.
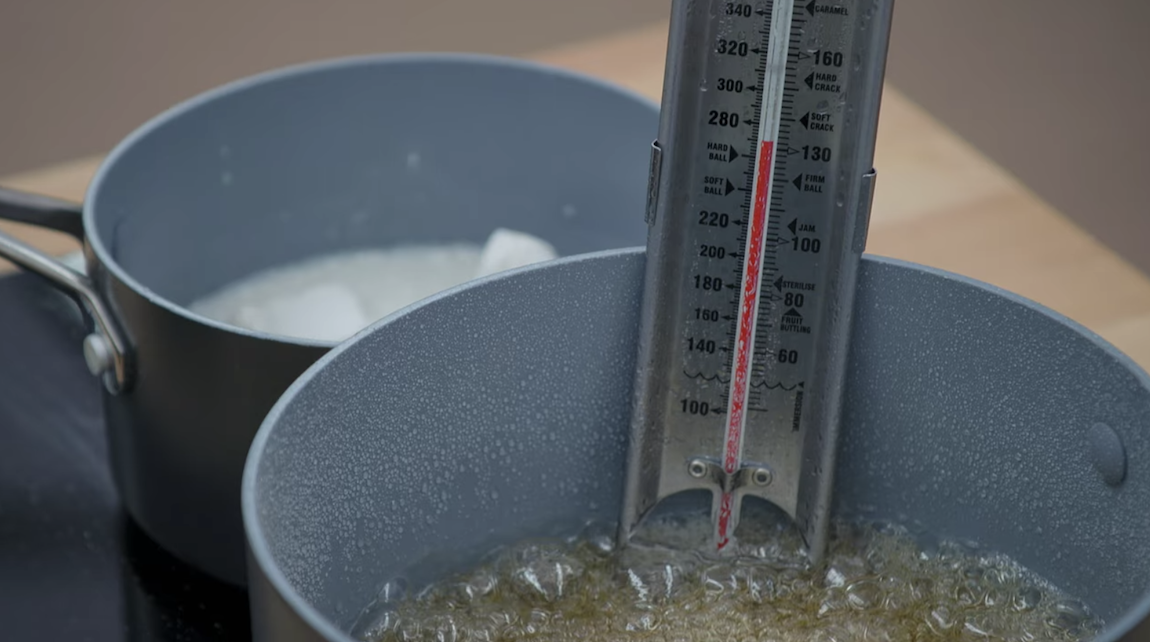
[(124, 147), (260, 554)]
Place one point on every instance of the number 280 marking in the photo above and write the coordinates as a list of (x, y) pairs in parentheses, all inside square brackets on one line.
[(723, 118)]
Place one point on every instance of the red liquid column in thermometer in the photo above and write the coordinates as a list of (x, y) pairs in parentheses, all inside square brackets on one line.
[(774, 77)]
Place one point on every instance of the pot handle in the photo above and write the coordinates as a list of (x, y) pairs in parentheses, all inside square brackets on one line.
[(42, 211), (106, 349)]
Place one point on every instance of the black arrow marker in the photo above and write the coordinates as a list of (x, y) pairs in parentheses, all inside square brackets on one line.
[(730, 188), (810, 80), (733, 155), (793, 225), (779, 284), (811, 7), (806, 120), (794, 314), (798, 183)]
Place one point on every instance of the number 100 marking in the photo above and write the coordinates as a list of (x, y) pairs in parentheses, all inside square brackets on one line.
[(692, 407)]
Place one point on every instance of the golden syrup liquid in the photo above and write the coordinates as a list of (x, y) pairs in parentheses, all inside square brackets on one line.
[(875, 584)]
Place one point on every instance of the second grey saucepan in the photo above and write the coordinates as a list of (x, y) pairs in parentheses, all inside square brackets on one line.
[(349, 154), (970, 413)]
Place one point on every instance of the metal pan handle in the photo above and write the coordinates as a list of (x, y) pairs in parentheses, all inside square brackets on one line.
[(105, 350), (42, 211)]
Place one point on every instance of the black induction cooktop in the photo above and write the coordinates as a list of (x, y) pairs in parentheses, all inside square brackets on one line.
[(73, 566)]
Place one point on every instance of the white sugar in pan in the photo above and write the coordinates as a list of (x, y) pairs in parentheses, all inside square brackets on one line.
[(333, 296)]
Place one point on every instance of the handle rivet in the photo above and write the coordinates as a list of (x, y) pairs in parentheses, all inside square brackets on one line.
[(98, 354)]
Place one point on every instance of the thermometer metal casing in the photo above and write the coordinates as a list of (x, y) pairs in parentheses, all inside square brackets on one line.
[(758, 205)]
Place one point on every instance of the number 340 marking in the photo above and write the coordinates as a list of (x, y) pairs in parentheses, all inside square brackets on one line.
[(737, 9)]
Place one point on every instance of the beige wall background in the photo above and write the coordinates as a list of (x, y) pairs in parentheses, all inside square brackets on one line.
[(78, 75), (1054, 90)]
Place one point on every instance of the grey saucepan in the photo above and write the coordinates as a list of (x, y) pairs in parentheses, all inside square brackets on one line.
[(346, 154), (970, 411)]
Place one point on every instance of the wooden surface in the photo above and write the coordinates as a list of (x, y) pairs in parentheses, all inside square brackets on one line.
[(938, 202)]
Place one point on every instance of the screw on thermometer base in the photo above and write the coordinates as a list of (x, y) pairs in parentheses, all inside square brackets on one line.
[(758, 205), (747, 475)]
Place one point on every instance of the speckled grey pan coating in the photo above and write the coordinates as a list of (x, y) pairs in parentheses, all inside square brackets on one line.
[(500, 410)]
